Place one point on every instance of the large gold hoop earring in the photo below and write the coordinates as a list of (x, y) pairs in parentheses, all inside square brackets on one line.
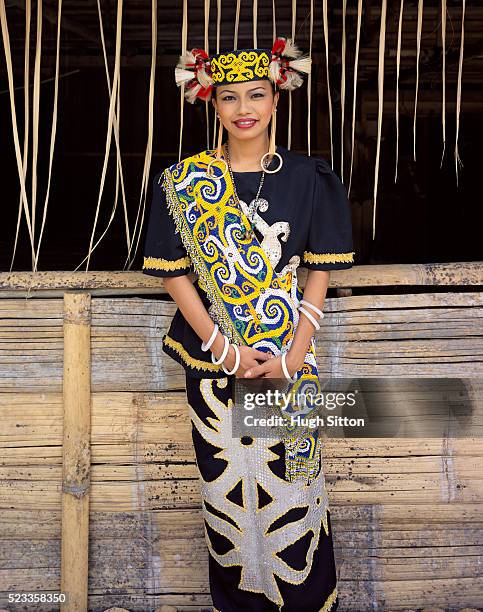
[(272, 147), (218, 157)]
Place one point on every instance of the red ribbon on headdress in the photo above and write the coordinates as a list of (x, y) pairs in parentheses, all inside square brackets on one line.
[(278, 47), (203, 93), (277, 56), (201, 57), (202, 61)]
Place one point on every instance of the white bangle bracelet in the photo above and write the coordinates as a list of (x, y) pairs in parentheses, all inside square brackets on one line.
[(310, 317), (224, 354), (205, 347), (285, 370), (237, 361), (317, 310)]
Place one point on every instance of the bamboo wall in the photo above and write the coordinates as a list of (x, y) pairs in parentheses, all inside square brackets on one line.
[(99, 491)]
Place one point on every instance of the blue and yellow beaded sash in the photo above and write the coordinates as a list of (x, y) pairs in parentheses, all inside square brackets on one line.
[(251, 303)]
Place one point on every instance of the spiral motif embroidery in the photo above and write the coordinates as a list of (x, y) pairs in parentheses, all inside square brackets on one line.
[(252, 304)]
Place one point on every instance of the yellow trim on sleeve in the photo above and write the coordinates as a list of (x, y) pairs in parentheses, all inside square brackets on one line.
[(186, 357), (316, 258), (158, 263)]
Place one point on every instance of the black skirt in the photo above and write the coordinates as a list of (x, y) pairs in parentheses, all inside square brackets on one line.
[(269, 540)]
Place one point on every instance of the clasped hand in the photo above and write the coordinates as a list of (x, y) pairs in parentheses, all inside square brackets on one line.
[(271, 366)]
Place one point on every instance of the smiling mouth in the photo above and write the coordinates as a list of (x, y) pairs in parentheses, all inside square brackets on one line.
[(245, 123)]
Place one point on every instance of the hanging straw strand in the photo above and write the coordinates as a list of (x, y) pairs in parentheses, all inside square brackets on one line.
[(272, 144), (289, 135), (329, 96), (237, 25), (115, 128), (207, 45), (342, 89), (218, 25), (184, 44), (36, 116), (274, 22), (28, 16), (218, 33), (457, 159), (113, 125), (53, 129), (116, 119), (418, 50), (255, 23), (354, 100), (398, 66), (309, 79), (149, 144), (380, 87), (443, 76), (8, 61), (110, 123)]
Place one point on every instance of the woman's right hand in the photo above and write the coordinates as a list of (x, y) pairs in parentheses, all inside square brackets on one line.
[(249, 357)]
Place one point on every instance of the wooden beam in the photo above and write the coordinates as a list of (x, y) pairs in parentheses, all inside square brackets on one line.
[(53, 284), (76, 451)]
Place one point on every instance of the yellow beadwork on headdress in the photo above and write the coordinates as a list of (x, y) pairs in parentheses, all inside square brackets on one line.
[(240, 66), (283, 65)]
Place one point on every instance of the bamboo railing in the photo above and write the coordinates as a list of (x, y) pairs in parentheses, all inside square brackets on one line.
[(96, 453)]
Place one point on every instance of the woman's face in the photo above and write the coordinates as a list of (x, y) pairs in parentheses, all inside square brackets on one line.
[(245, 109)]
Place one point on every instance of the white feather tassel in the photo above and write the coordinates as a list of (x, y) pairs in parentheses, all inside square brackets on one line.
[(185, 73), (291, 50), (296, 65), (186, 59), (303, 64), (294, 80), (182, 75), (274, 71), (203, 78), (191, 93)]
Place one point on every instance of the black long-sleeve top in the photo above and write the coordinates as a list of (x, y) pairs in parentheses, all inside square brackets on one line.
[(305, 220)]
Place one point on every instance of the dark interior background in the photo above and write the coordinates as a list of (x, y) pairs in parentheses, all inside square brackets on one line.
[(424, 217)]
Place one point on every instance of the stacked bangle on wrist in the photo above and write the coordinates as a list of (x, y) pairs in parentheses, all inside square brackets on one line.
[(285, 369), (237, 361), (226, 348), (205, 347), (310, 316), (317, 310), (224, 353)]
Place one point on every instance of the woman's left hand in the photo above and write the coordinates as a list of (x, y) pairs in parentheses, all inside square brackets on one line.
[(272, 368)]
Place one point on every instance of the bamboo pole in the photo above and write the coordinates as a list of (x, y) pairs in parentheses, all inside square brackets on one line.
[(76, 451)]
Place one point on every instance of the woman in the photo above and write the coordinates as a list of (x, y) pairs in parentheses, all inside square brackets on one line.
[(244, 217)]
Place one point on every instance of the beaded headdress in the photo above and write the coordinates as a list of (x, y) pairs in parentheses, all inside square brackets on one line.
[(283, 65)]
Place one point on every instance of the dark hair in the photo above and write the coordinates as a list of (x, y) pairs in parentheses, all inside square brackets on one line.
[(274, 90)]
